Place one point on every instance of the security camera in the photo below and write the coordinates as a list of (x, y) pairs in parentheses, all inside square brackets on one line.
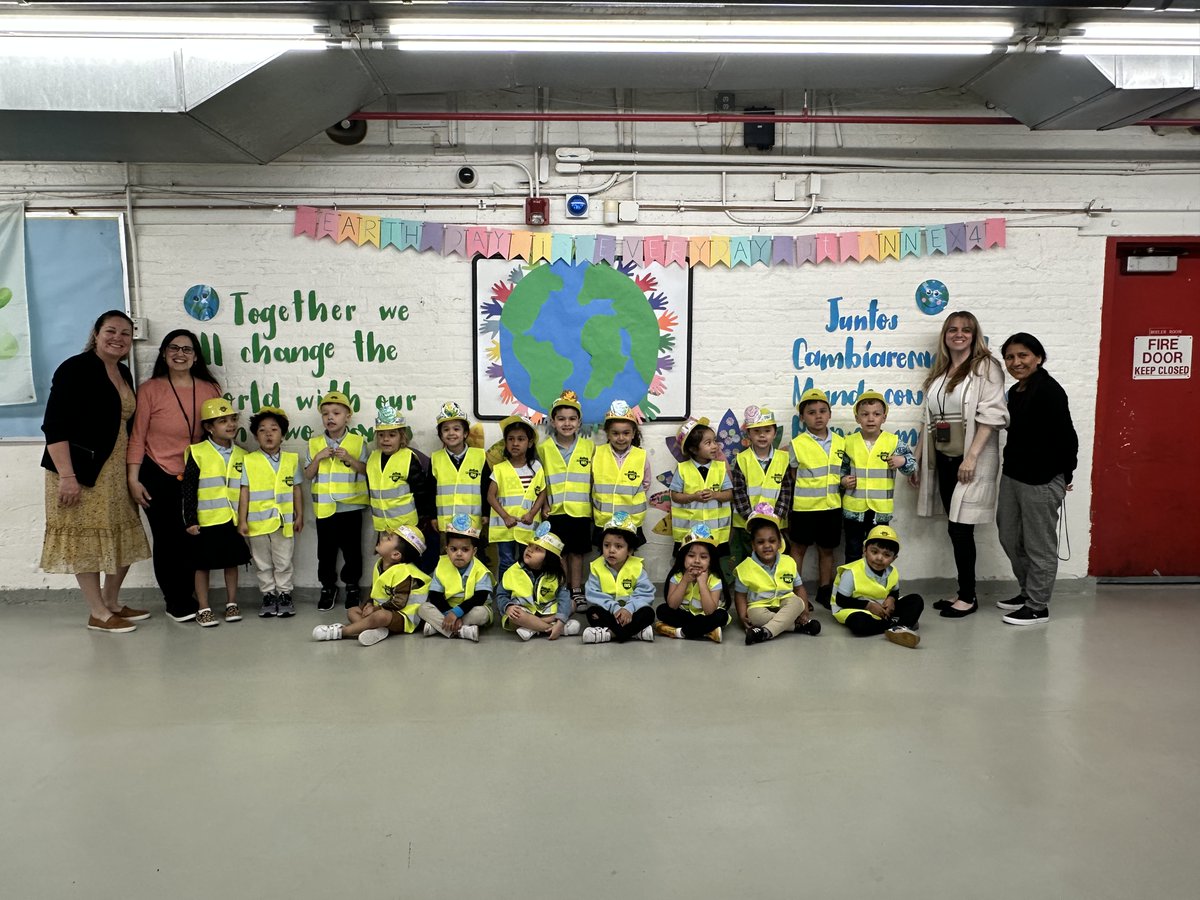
[(466, 177), (347, 132)]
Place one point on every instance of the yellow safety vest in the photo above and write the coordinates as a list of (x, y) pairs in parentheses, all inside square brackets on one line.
[(336, 482), (818, 474), (876, 482), (391, 496), (618, 487), (569, 482), (691, 598), (516, 500), (765, 589), (220, 485), (620, 586), (541, 598), (865, 588), (715, 513), (271, 493), (458, 487), (384, 594), (761, 486), (453, 585)]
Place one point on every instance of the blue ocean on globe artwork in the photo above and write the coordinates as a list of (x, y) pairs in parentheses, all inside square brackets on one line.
[(581, 327), (201, 302)]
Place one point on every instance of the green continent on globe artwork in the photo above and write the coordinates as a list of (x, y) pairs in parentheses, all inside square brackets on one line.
[(601, 336), (550, 374)]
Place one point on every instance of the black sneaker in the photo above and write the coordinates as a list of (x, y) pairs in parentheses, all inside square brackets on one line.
[(286, 609), (1015, 603), (1026, 615), (328, 599), (811, 627), (270, 606), (757, 636), (825, 595), (353, 596)]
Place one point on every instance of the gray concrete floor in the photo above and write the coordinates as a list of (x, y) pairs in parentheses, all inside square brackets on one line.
[(247, 761)]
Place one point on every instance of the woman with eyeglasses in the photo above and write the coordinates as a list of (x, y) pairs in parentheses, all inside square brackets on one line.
[(167, 421)]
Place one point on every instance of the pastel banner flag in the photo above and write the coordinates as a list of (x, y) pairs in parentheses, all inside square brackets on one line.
[(994, 229), (327, 223), (848, 242), (519, 245), (783, 250), (739, 251), (585, 247), (389, 232), (477, 242), (719, 250), (975, 235), (454, 240), (910, 242), (348, 227), (760, 249), (562, 246), (498, 241), (699, 251), (540, 246), (606, 249), (677, 251), (368, 231), (654, 250), (631, 250), (306, 221), (935, 238), (827, 247), (431, 237), (956, 237), (868, 245), (889, 244)]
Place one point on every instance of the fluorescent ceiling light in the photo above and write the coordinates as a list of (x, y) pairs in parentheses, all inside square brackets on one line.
[(116, 50), (1134, 39), (173, 27)]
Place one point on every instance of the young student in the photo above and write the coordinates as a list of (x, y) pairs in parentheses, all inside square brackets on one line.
[(695, 594), (516, 492), (816, 514), (620, 472), (567, 461), (395, 480), (212, 487), (271, 510), (336, 465), (868, 600), (701, 489), (760, 474), (423, 491), (460, 473), (768, 592), (869, 466), (619, 592), (532, 595), (397, 590), (457, 605)]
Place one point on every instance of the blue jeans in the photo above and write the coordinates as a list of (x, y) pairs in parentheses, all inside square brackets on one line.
[(506, 555)]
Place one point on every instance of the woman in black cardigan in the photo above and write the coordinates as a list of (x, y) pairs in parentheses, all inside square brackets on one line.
[(92, 525)]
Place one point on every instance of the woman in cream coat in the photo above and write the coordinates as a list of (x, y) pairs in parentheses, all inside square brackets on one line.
[(958, 453)]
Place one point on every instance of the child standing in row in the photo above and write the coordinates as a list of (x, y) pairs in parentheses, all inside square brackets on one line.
[(768, 591), (619, 592), (460, 473), (701, 490), (620, 472), (336, 467), (694, 593), (868, 472), (532, 596), (516, 493), (212, 489), (760, 474), (567, 461), (868, 600), (396, 481), (816, 514), (271, 510), (457, 605)]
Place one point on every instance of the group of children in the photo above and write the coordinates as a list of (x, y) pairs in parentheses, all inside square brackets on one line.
[(544, 506)]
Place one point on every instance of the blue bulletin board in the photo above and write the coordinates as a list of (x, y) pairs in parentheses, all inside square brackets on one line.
[(74, 271)]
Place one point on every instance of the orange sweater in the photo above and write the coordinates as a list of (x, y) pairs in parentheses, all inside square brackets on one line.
[(160, 430)]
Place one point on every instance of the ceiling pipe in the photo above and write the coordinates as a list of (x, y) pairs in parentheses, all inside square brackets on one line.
[(704, 118)]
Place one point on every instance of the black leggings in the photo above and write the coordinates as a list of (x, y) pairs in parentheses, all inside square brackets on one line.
[(694, 626), (340, 532), (599, 617), (908, 611), (962, 537), (172, 556)]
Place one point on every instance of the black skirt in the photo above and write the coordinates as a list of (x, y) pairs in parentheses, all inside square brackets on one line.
[(218, 547)]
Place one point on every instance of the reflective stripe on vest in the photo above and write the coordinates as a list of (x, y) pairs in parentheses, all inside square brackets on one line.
[(220, 485), (271, 494), (569, 482), (763, 589), (691, 598), (716, 514), (876, 482), (516, 500), (541, 600), (761, 486), (453, 585), (391, 497), (865, 588), (336, 482), (458, 487), (818, 474), (618, 487), (620, 586)]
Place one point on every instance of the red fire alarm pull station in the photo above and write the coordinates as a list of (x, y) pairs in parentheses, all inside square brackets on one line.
[(537, 210)]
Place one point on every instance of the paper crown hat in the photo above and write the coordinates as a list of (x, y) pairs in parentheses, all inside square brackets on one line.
[(700, 534), (687, 428), (621, 521), (461, 525), (452, 412), (763, 512), (620, 410), (410, 536), (547, 540), (757, 417), (387, 419)]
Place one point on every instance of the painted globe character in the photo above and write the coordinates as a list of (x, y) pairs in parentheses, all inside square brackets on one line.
[(201, 302), (932, 297)]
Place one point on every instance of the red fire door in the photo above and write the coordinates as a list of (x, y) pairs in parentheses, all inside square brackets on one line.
[(1145, 494)]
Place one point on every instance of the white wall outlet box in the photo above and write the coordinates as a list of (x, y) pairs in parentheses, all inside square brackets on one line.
[(627, 211)]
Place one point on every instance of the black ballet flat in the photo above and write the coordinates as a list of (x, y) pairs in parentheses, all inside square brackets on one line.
[(942, 604), (949, 612)]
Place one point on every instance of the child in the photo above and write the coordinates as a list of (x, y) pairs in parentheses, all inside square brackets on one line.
[(567, 461), (760, 474), (395, 479), (397, 591), (701, 489), (532, 596), (458, 593), (212, 488), (620, 472), (459, 472), (335, 466), (695, 594), (768, 592), (869, 465), (517, 492), (618, 590), (271, 510), (868, 600), (816, 513)]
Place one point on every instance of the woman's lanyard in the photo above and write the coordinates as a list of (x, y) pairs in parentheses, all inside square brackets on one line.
[(189, 422)]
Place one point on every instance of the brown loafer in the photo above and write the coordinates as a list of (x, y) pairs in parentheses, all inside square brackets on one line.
[(129, 614), (114, 625)]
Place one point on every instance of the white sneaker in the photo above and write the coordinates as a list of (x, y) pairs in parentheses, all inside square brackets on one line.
[(430, 631), (572, 628), (373, 636), (646, 634), (525, 634), (328, 632), (594, 635), (469, 633)]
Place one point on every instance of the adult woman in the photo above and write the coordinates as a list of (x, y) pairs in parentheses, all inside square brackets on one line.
[(1039, 463), (167, 420), (958, 452), (91, 524)]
